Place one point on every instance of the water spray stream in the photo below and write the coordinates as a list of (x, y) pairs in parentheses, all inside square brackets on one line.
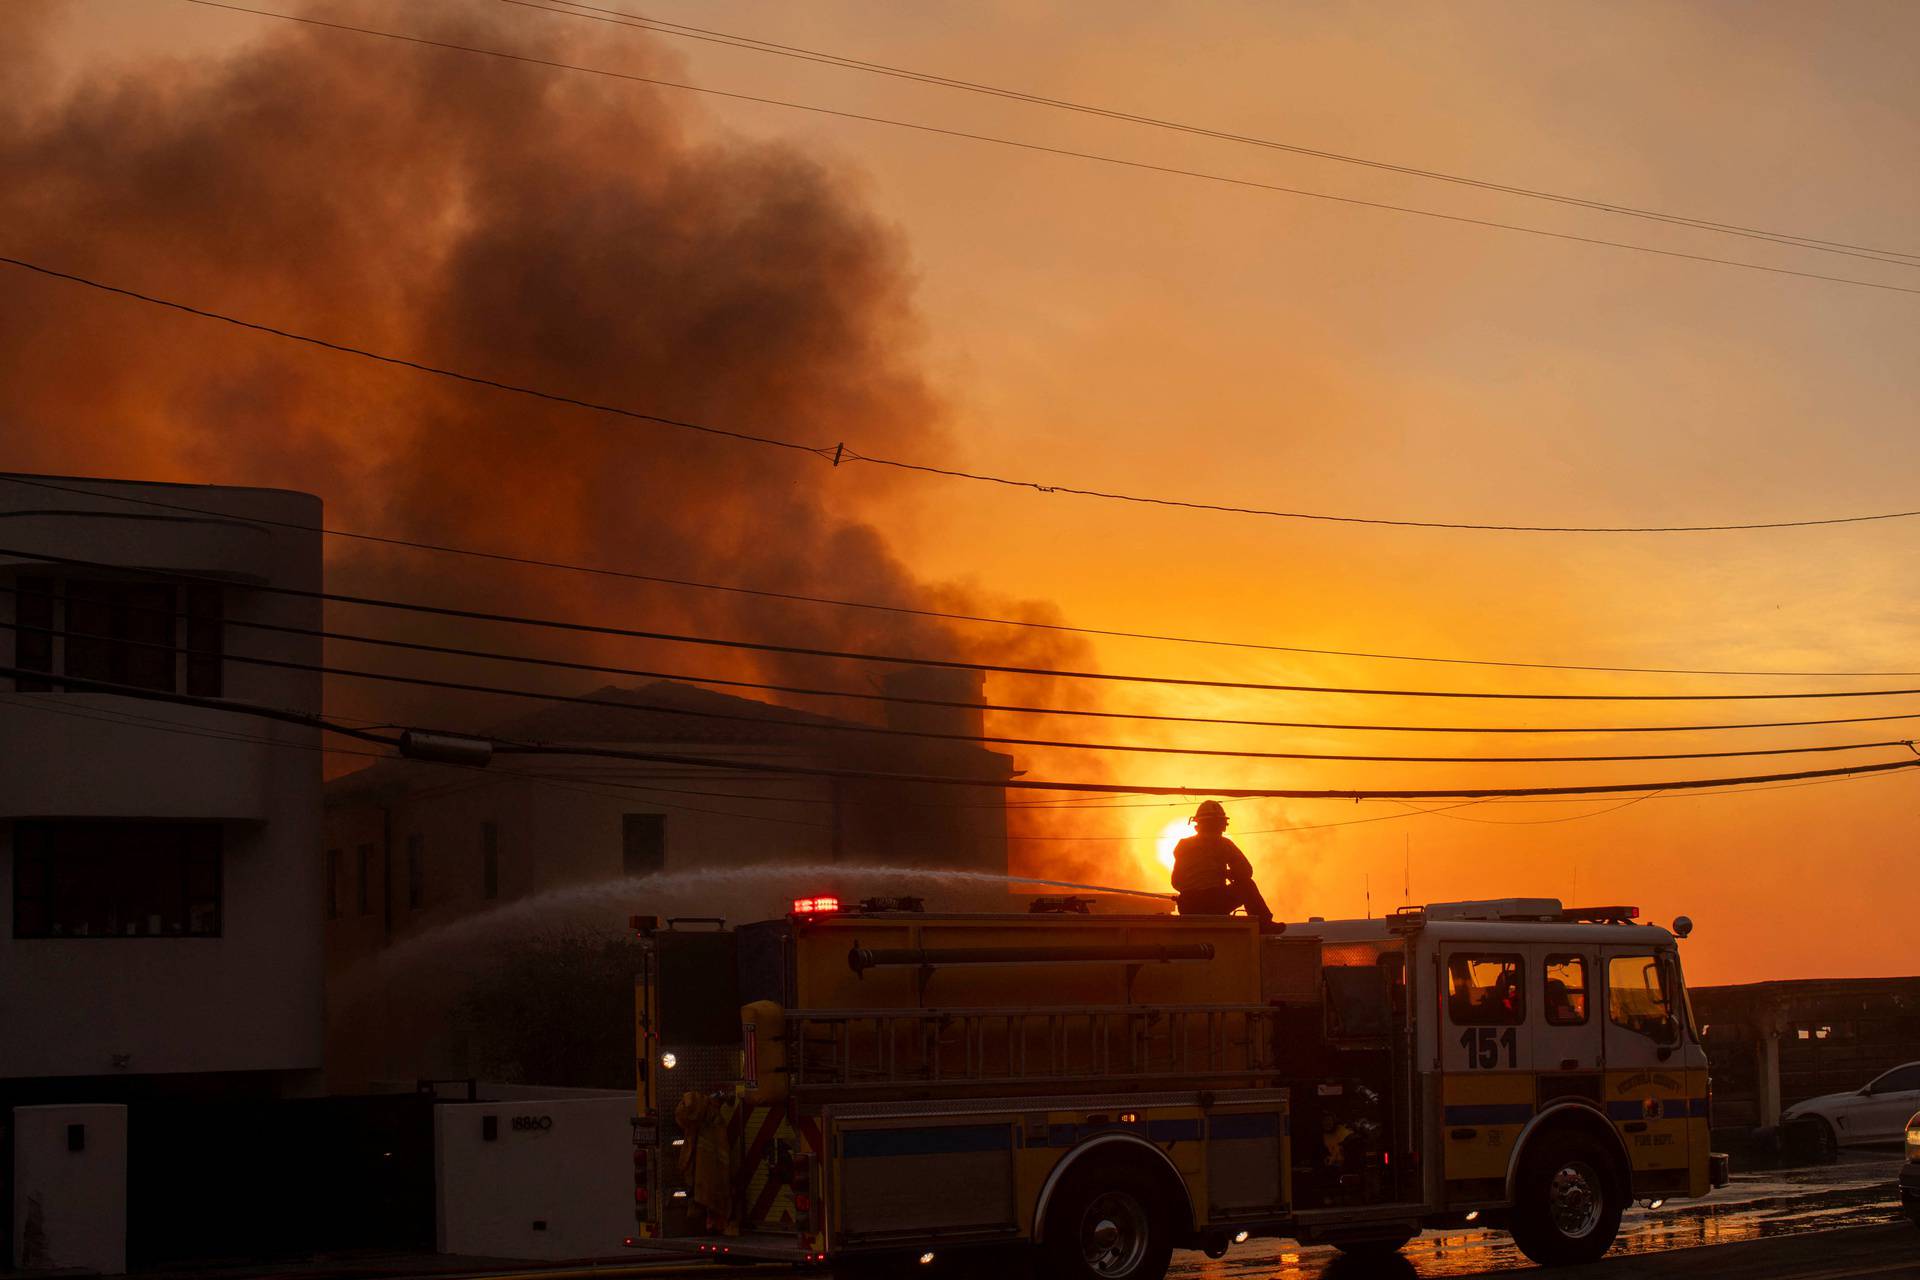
[(601, 906)]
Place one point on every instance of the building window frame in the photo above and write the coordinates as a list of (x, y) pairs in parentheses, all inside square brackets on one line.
[(149, 635), (77, 879)]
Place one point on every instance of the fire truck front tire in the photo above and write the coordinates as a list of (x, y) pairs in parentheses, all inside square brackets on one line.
[(1107, 1221), (1567, 1200)]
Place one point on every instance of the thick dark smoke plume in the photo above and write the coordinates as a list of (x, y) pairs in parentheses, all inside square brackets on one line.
[(534, 225)]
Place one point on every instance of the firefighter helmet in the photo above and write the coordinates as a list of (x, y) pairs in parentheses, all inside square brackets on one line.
[(1210, 809)]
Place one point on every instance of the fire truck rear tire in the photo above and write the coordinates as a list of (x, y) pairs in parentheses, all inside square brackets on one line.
[(1108, 1221), (1567, 1200)]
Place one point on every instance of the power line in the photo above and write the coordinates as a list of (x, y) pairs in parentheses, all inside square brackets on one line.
[(1022, 783), (838, 454), (1273, 793), (175, 575), (911, 611), (695, 678), (1040, 148), (1412, 811), (303, 719), (972, 739), (617, 790), (1531, 822), (867, 730), (1017, 783), (100, 713), (620, 17), (591, 788), (956, 664)]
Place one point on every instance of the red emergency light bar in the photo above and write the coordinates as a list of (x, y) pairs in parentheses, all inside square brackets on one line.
[(1598, 914), (821, 906)]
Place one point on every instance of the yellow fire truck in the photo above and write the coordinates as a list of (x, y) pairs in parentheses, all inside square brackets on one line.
[(883, 1090)]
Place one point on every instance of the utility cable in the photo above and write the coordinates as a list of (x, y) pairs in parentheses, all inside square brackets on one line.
[(1067, 152), (594, 787), (1274, 793), (1530, 822), (804, 722), (837, 454), (301, 718), (949, 664), (864, 730), (695, 678), (616, 790), (1412, 811), (911, 611), (1014, 783), (659, 26)]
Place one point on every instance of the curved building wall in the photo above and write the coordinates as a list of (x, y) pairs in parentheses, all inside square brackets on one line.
[(160, 887)]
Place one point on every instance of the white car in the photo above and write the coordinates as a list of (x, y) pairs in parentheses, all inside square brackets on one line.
[(1876, 1113)]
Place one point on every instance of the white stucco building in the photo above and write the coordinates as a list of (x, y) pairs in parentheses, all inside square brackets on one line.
[(157, 862)]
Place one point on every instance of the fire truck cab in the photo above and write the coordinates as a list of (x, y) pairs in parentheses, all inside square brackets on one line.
[(882, 1089)]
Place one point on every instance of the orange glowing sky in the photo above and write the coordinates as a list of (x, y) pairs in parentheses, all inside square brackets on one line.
[(1138, 332)]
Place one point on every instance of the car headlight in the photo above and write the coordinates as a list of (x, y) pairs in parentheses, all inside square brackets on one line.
[(1913, 1139)]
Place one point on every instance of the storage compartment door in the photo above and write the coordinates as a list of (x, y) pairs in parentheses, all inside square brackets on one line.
[(913, 1178), (1247, 1164)]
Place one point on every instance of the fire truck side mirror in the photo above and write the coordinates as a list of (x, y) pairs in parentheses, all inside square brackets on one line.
[(1682, 926)]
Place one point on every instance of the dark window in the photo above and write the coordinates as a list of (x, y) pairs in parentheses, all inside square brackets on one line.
[(1567, 991), (149, 635), (121, 632), (1899, 1080), (489, 860), (1486, 990), (1637, 996), (416, 872), (116, 880), (205, 639), (643, 843), (364, 888), (33, 634), (333, 884)]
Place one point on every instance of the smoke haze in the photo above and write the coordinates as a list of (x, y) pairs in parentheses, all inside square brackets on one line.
[(530, 225)]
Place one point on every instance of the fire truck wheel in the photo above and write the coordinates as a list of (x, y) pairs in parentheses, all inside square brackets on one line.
[(1567, 1202), (1824, 1142), (1106, 1223)]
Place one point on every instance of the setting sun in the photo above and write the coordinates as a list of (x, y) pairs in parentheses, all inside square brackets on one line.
[(1170, 835)]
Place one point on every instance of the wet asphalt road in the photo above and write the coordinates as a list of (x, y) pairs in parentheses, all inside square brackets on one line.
[(1773, 1211), (1839, 1222)]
